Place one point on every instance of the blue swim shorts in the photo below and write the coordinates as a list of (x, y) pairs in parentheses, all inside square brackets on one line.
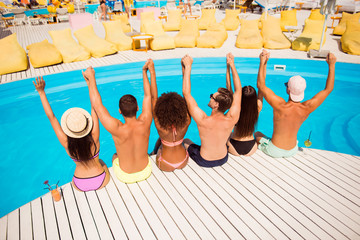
[(194, 153), (273, 151)]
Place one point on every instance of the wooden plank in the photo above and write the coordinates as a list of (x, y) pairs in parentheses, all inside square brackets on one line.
[(51, 228), (215, 206), (111, 216), (86, 215), (62, 219), (196, 223), (98, 214), (257, 194), (126, 220), (26, 231), (3, 227), (249, 225), (72, 210), (38, 219), (142, 224), (13, 225)]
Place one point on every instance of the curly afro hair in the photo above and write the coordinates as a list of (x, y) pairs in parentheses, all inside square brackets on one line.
[(171, 110)]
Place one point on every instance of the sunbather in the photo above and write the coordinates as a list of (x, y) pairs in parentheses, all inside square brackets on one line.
[(131, 162), (289, 116), (215, 129), (172, 120), (103, 9), (79, 135)]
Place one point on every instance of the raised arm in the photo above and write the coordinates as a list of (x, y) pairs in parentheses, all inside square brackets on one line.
[(40, 87), (194, 109), (111, 124), (234, 111), (146, 115), (269, 95), (149, 65), (228, 78), (319, 98)]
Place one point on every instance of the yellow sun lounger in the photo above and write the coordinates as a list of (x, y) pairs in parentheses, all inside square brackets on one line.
[(161, 40), (146, 17), (350, 40), (272, 35), (125, 25), (43, 54), (12, 55), (189, 32), (249, 36), (70, 50), (288, 18), (115, 35), (310, 37), (173, 20), (214, 37), (231, 20), (341, 27), (207, 18), (97, 46)]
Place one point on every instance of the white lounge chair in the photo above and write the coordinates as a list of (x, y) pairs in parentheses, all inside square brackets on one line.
[(349, 5), (62, 14), (20, 19)]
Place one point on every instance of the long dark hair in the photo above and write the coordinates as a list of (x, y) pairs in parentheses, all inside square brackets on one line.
[(80, 148), (249, 112)]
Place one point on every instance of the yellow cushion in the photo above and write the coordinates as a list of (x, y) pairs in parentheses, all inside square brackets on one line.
[(249, 36), (43, 54), (125, 25), (214, 37), (207, 18), (115, 35), (231, 20), (70, 8), (70, 50), (160, 41), (272, 35), (316, 15), (189, 32), (173, 20), (350, 40), (12, 55), (146, 17), (310, 37), (97, 46), (288, 18), (341, 27)]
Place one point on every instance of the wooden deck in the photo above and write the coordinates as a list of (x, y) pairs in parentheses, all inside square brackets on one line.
[(314, 195)]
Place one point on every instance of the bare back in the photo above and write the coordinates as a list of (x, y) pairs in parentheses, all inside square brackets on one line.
[(131, 142)]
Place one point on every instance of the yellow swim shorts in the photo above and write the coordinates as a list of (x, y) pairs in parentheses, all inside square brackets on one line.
[(131, 177), (128, 3)]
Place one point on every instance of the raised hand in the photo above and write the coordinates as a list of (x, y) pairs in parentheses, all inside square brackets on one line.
[(39, 84), (331, 59), (149, 65), (264, 57), (186, 61), (229, 59), (89, 73)]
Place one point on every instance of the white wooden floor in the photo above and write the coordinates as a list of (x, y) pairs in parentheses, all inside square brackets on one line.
[(314, 195)]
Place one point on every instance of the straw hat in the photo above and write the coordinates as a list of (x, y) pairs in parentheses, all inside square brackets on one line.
[(76, 122)]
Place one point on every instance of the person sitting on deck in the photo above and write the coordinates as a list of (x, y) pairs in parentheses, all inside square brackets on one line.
[(79, 135), (131, 162), (242, 140), (214, 130), (289, 116), (172, 120)]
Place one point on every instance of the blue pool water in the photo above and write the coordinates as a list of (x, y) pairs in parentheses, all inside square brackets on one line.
[(32, 154)]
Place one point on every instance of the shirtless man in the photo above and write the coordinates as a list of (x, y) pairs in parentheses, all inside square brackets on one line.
[(214, 130), (288, 116), (130, 162)]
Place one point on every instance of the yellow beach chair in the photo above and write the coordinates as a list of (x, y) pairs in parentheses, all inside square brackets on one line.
[(350, 40), (231, 20), (146, 17), (70, 50), (310, 37), (341, 27), (173, 20), (125, 24), (12, 56), (207, 18), (214, 37), (115, 35), (189, 32), (249, 36), (97, 46), (161, 40), (272, 35), (288, 18), (43, 54)]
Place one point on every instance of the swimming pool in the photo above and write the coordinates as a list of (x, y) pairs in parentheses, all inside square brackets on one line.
[(32, 154)]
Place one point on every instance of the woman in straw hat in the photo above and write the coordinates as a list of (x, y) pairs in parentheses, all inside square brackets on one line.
[(79, 135)]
